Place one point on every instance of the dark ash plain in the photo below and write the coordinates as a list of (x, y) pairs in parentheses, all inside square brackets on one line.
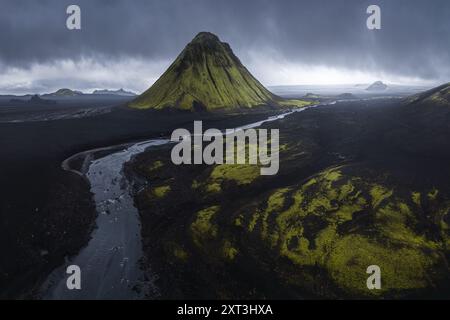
[(359, 184), (58, 216)]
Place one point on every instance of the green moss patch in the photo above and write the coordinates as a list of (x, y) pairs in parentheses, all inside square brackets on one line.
[(240, 173), (161, 191), (322, 228), (203, 228)]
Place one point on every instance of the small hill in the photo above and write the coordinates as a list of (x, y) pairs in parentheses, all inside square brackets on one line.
[(311, 95), (64, 93), (347, 96), (208, 76), (425, 119), (377, 86)]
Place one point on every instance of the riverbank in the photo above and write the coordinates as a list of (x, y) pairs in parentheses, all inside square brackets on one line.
[(59, 229), (47, 213), (81, 164)]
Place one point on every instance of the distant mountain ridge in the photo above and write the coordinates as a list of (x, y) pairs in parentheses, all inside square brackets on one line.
[(69, 93)]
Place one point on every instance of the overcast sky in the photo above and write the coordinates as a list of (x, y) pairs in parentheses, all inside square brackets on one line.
[(129, 43)]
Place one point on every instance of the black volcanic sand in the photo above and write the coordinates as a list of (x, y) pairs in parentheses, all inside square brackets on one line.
[(357, 186), (46, 212)]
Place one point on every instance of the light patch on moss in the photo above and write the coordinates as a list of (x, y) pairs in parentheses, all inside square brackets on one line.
[(203, 229), (276, 200), (242, 174), (284, 147), (301, 254), (345, 190), (392, 220), (346, 211), (310, 182), (253, 221), (442, 214), (415, 196), (238, 222), (195, 184), (180, 253), (432, 195), (229, 252), (404, 268), (379, 193), (274, 204), (161, 191), (155, 165), (213, 187), (296, 103), (332, 175)]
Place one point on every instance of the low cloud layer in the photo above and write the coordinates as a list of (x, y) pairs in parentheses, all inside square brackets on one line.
[(129, 43)]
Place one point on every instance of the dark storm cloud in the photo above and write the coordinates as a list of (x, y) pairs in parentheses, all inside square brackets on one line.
[(414, 39)]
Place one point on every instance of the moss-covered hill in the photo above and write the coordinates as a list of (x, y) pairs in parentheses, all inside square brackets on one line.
[(425, 119), (439, 95), (207, 76)]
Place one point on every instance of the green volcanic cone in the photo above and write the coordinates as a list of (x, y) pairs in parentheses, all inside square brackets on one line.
[(206, 76)]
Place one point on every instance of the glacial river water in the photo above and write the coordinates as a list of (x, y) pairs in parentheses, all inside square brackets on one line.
[(110, 264)]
